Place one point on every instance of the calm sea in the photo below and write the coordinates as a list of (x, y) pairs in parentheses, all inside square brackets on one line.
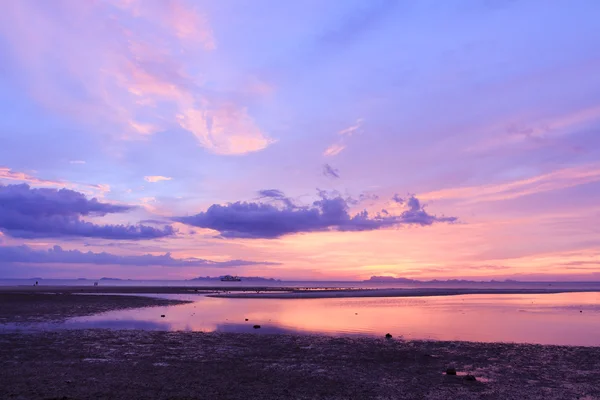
[(562, 319)]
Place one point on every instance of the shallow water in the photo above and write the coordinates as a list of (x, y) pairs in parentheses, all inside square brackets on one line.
[(564, 319)]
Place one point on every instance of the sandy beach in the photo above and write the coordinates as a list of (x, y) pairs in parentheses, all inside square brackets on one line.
[(132, 364)]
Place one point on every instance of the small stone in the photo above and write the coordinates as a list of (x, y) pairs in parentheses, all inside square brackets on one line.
[(246, 319), (162, 315), (256, 326), (451, 371), (470, 378), (388, 336)]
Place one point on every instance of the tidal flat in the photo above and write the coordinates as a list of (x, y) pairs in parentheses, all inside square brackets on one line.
[(106, 364), (139, 364)]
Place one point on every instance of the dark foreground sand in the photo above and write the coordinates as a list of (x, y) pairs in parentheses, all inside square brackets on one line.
[(103, 364), (38, 307)]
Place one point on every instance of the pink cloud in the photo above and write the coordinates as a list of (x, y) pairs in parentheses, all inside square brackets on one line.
[(334, 149), (537, 128), (133, 61), (556, 180), (157, 178), (224, 130), (8, 174), (339, 146), (177, 16), (352, 129)]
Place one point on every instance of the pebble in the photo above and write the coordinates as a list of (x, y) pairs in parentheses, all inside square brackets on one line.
[(388, 336), (451, 371), (256, 326), (470, 378), (162, 316)]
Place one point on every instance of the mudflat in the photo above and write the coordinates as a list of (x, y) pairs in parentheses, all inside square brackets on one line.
[(31, 307), (135, 364), (103, 364)]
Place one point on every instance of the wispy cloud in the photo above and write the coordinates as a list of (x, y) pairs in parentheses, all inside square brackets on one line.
[(277, 195), (334, 149), (540, 130), (157, 178), (352, 129), (7, 174), (186, 22), (56, 255), (137, 77), (331, 172), (337, 147), (556, 180), (224, 130)]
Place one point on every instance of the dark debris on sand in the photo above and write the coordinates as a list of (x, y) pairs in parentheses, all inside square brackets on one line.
[(103, 364)]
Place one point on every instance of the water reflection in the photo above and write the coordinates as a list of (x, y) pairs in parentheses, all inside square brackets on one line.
[(567, 318)]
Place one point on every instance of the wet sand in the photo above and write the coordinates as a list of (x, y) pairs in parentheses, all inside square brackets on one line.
[(101, 364), (425, 292), (112, 364), (19, 308), (283, 292)]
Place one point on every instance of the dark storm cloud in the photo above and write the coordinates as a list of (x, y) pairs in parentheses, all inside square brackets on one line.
[(35, 213)]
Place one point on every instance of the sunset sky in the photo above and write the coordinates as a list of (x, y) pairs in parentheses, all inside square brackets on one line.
[(329, 140)]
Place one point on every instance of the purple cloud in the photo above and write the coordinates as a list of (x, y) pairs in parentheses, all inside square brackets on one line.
[(260, 220), (25, 254), (34, 213), (331, 172), (396, 198), (276, 195)]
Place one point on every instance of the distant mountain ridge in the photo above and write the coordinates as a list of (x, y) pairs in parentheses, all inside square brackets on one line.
[(408, 280), (390, 279)]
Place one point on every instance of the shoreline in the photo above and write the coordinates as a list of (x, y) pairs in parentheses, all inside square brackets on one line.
[(260, 292), (359, 293), (26, 308)]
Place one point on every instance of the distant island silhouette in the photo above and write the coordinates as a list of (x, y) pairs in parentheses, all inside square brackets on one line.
[(243, 278), (408, 280)]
